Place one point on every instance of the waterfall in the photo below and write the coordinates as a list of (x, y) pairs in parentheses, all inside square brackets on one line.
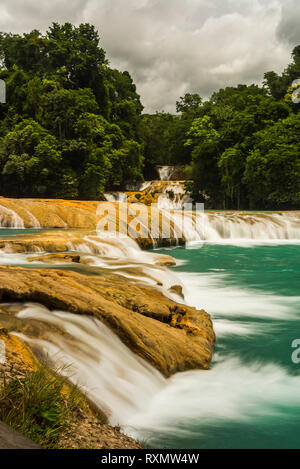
[(210, 226), (115, 196), (165, 172), (124, 257), (34, 221), (145, 185), (126, 387), (238, 226), (92, 356), (173, 196), (9, 218)]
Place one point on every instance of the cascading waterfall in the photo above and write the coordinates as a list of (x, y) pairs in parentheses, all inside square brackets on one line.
[(137, 397), (10, 219), (198, 226), (115, 196), (131, 391), (165, 172), (92, 356), (124, 257), (238, 226), (173, 197), (34, 221)]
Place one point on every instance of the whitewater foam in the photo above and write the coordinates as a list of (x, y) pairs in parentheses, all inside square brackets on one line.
[(230, 391), (214, 294), (92, 356)]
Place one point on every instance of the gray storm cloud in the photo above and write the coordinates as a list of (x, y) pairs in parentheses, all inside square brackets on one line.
[(174, 46)]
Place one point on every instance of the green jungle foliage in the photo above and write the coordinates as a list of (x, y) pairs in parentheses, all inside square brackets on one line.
[(241, 147), (73, 127), (69, 127)]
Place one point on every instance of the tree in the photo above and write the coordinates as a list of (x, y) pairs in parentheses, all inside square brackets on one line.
[(232, 166), (155, 132), (272, 172), (31, 163), (188, 102), (204, 139), (66, 109), (279, 84)]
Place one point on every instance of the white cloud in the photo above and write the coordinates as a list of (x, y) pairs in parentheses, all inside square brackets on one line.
[(174, 46)]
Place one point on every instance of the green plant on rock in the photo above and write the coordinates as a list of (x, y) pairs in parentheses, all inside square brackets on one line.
[(39, 405)]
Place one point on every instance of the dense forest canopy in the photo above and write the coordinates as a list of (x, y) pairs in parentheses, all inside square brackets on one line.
[(73, 127), (70, 125), (241, 147)]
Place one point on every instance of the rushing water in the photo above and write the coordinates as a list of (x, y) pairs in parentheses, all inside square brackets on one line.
[(251, 396), (249, 282)]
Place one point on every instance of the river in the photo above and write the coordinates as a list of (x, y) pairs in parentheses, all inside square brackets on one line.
[(250, 398)]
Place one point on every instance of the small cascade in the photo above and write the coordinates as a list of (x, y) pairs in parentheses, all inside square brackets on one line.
[(9, 218), (92, 356), (123, 256), (173, 196), (168, 195), (222, 227), (228, 226), (145, 185), (115, 196), (34, 221), (165, 172)]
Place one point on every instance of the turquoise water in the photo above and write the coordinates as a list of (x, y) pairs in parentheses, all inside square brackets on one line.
[(8, 232), (251, 396)]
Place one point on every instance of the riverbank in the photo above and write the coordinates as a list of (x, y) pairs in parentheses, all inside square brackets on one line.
[(113, 310), (85, 274), (82, 425)]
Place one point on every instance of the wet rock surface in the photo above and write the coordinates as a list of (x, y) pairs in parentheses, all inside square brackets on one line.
[(85, 430), (171, 336)]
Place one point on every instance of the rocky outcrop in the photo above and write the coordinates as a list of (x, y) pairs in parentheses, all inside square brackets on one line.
[(87, 432), (18, 359), (174, 191), (87, 427), (171, 173), (56, 242), (48, 213), (171, 336), (133, 219), (177, 289), (48, 241), (54, 258)]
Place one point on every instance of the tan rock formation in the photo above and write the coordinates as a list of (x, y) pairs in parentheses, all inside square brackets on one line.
[(53, 258), (87, 425), (176, 289), (171, 336), (133, 220), (60, 241), (18, 357)]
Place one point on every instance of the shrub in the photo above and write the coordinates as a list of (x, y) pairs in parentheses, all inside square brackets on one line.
[(39, 405)]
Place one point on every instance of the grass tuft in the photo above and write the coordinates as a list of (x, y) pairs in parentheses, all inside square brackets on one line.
[(39, 405)]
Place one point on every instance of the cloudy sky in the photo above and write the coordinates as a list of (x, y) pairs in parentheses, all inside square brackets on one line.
[(174, 46)]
